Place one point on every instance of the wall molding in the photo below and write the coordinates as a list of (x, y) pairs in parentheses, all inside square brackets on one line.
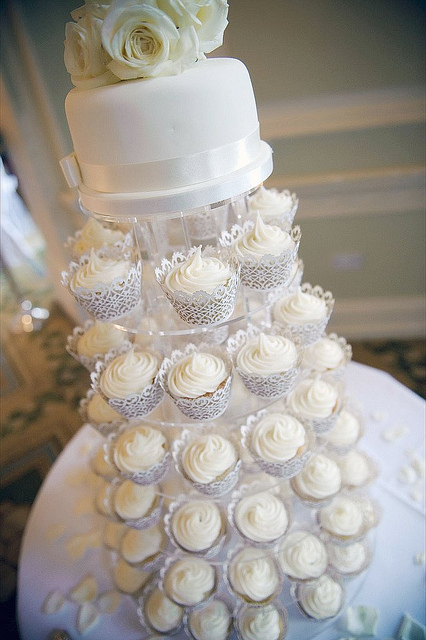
[(344, 112), (390, 317)]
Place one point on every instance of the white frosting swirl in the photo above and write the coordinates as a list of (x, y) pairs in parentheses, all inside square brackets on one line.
[(343, 517), (129, 373), (313, 399), (320, 478), (278, 437), (162, 614), (302, 556), (354, 468), (127, 578), (348, 559), (196, 375), (189, 581), (266, 355), (98, 410), (139, 449), (102, 466), (345, 432), (261, 517), (99, 339), (94, 236), (322, 599), (271, 202), (211, 622), (133, 500), (99, 270), (300, 308), (253, 574), (261, 623), (324, 355), (197, 525), (263, 239), (137, 545), (198, 273), (209, 458)]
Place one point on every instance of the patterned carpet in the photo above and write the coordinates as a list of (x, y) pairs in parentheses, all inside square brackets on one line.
[(41, 389)]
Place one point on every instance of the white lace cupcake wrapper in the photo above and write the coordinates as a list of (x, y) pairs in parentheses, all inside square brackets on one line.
[(273, 386), (152, 475), (107, 302), (121, 247), (319, 425), (200, 308)]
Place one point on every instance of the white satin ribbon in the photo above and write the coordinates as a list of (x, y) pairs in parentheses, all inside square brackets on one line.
[(163, 174)]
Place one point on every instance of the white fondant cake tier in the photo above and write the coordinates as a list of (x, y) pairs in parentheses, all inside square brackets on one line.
[(163, 144)]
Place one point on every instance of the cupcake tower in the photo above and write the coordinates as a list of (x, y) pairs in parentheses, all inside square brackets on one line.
[(233, 485)]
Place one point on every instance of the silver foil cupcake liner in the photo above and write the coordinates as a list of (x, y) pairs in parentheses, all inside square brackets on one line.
[(273, 386), (206, 407), (309, 332), (269, 271), (89, 362), (252, 488), (120, 247), (298, 590), (135, 405), (247, 611), (141, 601), (213, 489), (154, 474), (212, 550), (106, 301), (169, 562), (104, 428), (200, 308), (284, 470), (144, 522)]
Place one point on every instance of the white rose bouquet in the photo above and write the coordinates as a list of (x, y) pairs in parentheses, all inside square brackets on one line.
[(124, 39)]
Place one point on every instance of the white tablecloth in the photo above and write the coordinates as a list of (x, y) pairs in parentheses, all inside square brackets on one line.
[(394, 583)]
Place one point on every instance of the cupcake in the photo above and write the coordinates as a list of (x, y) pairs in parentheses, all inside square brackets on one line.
[(305, 313), (94, 409), (357, 469), (143, 547), (345, 433), (260, 517), (349, 561), (330, 354), (94, 340), (273, 205), (102, 465), (189, 581), (113, 533), (140, 454), (315, 402), (129, 382), (210, 463), (321, 599), (138, 506), (94, 235), (127, 578), (302, 556), (197, 526), (259, 623), (278, 443), (212, 621), (201, 287), (343, 520), (267, 364), (253, 576), (107, 287), (159, 613), (319, 481), (266, 253), (198, 380)]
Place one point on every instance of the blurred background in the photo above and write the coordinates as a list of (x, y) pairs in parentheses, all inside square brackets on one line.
[(340, 92)]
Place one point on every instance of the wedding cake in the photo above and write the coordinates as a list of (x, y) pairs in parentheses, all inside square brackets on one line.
[(232, 492)]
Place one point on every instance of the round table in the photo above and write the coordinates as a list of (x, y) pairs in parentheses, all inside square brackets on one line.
[(394, 582)]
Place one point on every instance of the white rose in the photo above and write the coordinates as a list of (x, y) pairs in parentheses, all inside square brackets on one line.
[(84, 56), (208, 17), (144, 42)]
